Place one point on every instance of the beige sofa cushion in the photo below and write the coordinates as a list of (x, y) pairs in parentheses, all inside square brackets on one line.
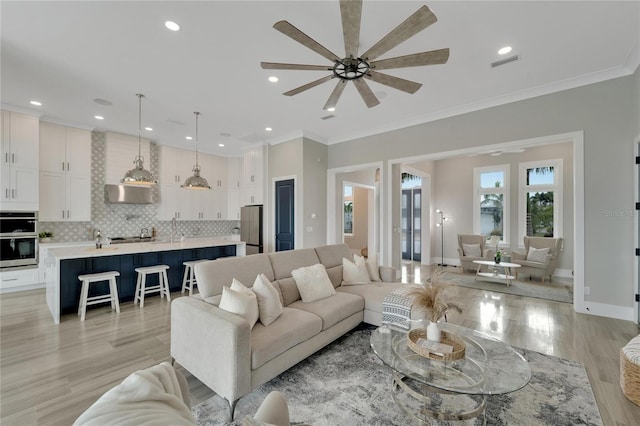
[(283, 262), (332, 255), (313, 283), (288, 290), (335, 275), (292, 327), (373, 294), (215, 274), (333, 309)]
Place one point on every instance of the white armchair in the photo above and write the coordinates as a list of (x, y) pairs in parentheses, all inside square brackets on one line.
[(543, 266), (470, 248)]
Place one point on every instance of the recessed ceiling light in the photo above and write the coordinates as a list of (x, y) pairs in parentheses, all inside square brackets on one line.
[(36, 103), (504, 50), (188, 138), (172, 26), (149, 129), (268, 129), (331, 109), (98, 117), (273, 79), (221, 145)]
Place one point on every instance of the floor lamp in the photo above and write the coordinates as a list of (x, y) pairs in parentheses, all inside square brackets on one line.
[(440, 225)]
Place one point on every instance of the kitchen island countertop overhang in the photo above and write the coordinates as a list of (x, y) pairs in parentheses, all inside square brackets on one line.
[(63, 264)]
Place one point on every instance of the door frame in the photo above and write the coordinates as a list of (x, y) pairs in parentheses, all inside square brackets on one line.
[(297, 200), (636, 229), (371, 212), (425, 236)]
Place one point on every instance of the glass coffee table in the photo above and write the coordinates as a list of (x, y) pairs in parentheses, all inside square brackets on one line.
[(426, 388)]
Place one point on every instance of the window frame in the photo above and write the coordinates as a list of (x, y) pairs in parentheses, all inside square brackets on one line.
[(478, 192), (353, 208), (556, 188)]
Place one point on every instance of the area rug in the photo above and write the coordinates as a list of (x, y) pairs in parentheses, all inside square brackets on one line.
[(346, 384), (556, 290)]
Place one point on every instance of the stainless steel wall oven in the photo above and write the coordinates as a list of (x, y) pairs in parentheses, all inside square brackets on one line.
[(18, 239)]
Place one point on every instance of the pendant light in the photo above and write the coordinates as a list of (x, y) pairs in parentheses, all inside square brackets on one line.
[(196, 181), (138, 175)]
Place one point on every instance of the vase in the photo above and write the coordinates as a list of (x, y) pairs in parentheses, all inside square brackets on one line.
[(433, 332)]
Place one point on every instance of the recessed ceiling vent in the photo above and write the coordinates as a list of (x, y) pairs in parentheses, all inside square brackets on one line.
[(505, 61), (326, 117)]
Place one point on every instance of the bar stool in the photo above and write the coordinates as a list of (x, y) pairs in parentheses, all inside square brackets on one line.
[(189, 278), (112, 296), (141, 284)]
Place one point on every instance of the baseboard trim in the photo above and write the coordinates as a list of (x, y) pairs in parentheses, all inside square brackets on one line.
[(22, 288), (563, 273), (605, 310)]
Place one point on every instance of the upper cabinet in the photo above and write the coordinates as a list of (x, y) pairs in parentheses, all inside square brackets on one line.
[(176, 165), (19, 176), (233, 188), (121, 152), (253, 176), (65, 173)]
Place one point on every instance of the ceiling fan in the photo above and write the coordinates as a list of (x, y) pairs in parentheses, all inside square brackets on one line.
[(357, 68)]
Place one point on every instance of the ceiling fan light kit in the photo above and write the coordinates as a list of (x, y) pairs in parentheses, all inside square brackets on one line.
[(357, 68)]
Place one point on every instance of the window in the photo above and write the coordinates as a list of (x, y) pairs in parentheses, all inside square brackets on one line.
[(540, 199), (491, 201), (347, 198)]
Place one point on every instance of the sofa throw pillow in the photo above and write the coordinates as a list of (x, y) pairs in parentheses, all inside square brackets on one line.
[(537, 255), (354, 273), (471, 250), (269, 305), (372, 268), (313, 283), (241, 301)]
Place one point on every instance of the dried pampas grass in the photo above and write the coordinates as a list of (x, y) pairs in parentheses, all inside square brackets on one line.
[(437, 296)]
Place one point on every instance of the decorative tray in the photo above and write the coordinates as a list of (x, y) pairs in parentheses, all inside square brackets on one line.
[(446, 338)]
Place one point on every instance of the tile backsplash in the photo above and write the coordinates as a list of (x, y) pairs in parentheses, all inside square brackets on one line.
[(125, 220)]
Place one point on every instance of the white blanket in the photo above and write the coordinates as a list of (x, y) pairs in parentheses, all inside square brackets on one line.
[(146, 397)]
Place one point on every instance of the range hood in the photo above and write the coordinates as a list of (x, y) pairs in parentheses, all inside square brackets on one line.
[(127, 194)]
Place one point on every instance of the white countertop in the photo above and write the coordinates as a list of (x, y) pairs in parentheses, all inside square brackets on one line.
[(83, 250)]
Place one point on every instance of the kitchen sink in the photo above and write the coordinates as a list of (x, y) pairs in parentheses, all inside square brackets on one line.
[(125, 240)]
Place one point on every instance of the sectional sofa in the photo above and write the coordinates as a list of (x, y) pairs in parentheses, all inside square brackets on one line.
[(227, 355)]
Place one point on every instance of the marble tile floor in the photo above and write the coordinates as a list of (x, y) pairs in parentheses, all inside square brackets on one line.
[(49, 373)]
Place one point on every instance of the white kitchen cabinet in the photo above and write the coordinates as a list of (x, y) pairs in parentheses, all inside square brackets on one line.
[(19, 175), (120, 154), (253, 176), (233, 188), (65, 174), (20, 279), (214, 169), (176, 165), (175, 202)]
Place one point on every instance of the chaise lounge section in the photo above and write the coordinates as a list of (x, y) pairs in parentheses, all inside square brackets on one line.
[(227, 355)]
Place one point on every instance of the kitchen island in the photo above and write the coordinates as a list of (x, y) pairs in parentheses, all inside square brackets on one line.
[(64, 264)]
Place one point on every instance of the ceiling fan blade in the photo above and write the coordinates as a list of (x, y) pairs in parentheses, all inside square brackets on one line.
[(415, 23), (277, 66), (308, 85), (351, 12), (433, 57), (289, 30), (335, 95), (395, 82), (365, 91)]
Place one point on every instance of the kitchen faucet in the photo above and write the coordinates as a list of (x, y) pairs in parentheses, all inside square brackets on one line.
[(144, 233)]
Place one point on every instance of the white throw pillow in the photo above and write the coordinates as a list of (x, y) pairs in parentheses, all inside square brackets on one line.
[(313, 283), (268, 300), (354, 273), (372, 268), (471, 250), (241, 301), (537, 255)]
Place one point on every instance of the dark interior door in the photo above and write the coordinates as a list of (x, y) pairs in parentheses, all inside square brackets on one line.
[(411, 212), (285, 234)]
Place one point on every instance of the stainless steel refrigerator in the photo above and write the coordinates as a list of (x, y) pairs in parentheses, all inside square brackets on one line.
[(251, 228)]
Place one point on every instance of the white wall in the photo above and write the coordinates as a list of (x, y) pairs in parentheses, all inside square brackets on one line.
[(606, 112), (314, 214)]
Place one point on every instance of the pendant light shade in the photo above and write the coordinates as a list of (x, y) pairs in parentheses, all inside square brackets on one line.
[(138, 175), (196, 181)]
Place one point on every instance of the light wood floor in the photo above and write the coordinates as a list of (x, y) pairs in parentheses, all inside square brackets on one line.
[(49, 374)]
